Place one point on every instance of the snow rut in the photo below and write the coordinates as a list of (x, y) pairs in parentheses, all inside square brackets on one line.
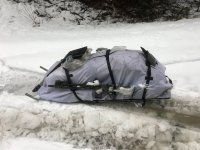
[(182, 61), (114, 125)]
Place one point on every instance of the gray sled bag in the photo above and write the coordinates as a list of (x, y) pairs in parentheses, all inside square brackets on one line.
[(116, 74)]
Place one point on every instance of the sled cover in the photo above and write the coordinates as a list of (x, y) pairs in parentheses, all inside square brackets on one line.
[(130, 68)]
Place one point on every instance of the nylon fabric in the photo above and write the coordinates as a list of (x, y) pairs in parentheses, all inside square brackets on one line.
[(129, 70)]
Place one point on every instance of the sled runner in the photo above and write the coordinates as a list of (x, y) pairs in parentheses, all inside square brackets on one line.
[(108, 74)]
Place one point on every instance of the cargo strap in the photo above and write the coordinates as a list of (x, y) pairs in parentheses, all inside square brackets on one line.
[(71, 84), (75, 54), (170, 81), (110, 72), (148, 76)]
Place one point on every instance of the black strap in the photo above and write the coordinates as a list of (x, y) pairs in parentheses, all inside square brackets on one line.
[(110, 71), (71, 87), (77, 53), (148, 76), (170, 81), (36, 88)]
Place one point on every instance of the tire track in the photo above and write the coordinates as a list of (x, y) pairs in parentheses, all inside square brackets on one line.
[(182, 61), (153, 109), (18, 81), (19, 69)]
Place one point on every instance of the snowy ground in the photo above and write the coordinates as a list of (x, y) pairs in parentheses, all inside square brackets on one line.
[(35, 144), (108, 125)]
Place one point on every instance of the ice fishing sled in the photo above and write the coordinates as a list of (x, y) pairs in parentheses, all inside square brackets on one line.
[(108, 74)]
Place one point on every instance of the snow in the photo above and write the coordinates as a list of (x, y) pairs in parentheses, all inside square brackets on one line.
[(34, 144), (25, 122), (187, 74)]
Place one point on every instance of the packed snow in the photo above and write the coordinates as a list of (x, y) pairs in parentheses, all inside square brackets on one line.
[(34, 144), (165, 124)]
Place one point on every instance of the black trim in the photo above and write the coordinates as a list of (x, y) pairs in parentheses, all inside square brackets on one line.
[(77, 53), (170, 81), (71, 84), (110, 72), (36, 88), (148, 78)]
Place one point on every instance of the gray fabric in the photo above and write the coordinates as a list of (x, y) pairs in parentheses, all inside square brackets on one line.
[(129, 70)]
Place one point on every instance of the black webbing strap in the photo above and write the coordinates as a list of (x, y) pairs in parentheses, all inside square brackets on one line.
[(110, 71), (148, 77), (170, 81), (73, 89)]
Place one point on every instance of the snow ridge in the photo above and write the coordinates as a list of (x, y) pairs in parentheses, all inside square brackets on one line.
[(86, 125)]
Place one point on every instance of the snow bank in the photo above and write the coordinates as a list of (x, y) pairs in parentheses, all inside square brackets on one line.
[(90, 125)]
